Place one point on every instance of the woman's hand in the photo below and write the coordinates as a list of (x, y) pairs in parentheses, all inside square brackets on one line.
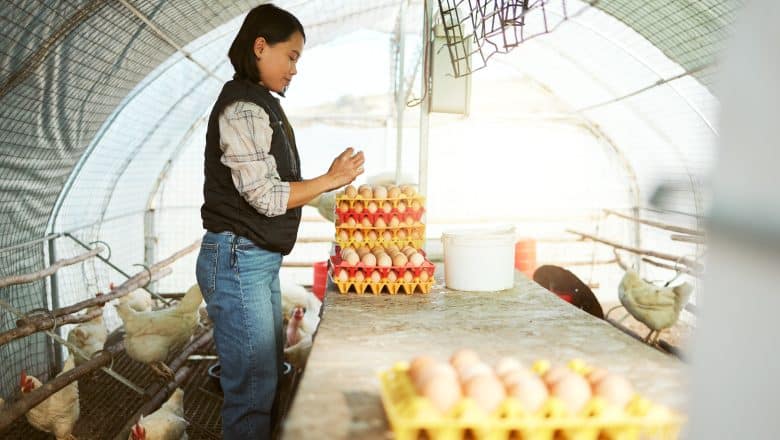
[(346, 167)]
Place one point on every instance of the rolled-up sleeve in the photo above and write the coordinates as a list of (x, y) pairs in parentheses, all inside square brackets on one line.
[(245, 139)]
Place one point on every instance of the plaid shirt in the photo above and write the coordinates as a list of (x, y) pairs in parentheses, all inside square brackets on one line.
[(245, 139)]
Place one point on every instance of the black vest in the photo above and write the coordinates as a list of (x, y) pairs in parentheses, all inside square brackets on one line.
[(224, 209)]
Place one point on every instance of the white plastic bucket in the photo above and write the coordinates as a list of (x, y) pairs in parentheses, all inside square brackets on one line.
[(479, 260)]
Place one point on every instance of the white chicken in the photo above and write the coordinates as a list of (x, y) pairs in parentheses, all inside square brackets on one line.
[(151, 336), (138, 300), (167, 423), (656, 307), (89, 336), (294, 331), (58, 413), (294, 295)]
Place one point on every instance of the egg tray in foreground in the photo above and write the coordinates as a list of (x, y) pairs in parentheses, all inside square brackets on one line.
[(410, 414)]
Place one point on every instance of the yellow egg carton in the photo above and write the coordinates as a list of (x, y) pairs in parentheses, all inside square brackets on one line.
[(411, 415), (391, 287), (417, 243)]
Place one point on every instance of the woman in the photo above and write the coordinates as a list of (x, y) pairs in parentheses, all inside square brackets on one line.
[(253, 193)]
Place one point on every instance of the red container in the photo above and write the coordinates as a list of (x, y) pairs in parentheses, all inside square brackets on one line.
[(320, 279), (525, 256)]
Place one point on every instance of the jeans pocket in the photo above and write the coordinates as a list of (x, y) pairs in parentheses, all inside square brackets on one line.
[(206, 269)]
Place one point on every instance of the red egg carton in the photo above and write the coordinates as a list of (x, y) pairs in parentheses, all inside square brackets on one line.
[(393, 201), (344, 217), (337, 264)]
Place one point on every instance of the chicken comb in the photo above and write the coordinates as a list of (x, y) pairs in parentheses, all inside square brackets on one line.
[(138, 432), (23, 380)]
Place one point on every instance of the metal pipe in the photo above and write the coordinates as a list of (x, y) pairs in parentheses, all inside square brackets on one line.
[(400, 104)]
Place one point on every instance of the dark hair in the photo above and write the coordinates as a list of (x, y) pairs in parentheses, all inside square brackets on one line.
[(267, 21)]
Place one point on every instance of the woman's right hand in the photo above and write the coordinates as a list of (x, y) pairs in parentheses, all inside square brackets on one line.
[(346, 167)]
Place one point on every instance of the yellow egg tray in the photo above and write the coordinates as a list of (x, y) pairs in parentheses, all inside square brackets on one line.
[(411, 415), (391, 287), (414, 242)]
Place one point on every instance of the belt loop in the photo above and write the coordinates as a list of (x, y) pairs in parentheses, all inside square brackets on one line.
[(233, 246)]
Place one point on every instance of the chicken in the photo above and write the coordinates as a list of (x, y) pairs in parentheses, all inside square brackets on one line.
[(89, 336), (151, 336), (138, 300), (294, 295), (569, 288), (656, 307), (58, 413), (298, 354), (167, 423), (294, 330)]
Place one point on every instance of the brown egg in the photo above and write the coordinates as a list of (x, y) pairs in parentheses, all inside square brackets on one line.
[(393, 192), (416, 234), (357, 236), (530, 390), (372, 207), (417, 364), (464, 357), (376, 276), (343, 206), (615, 390), (394, 222), (358, 207), (507, 365), (408, 276), (416, 259), (442, 392), (369, 259), (486, 391), (391, 248), (366, 223), (470, 371), (363, 187), (347, 249), (424, 276), (380, 223), (401, 207), (384, 260), (365, 192), (573, 390), (380, 192), (409, 220), (387, 236), (437, 369), (363, 250), (596, 375), (351, 222), (399, 259), (343, 235), (400, 234), (415, 205), (359, 276), (343, 275), (352, 259), (350, 191), (372, 236), (387, 207), (555, 374), (408, 190)]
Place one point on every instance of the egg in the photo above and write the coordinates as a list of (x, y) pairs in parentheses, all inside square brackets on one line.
[(486, 391), (408, 190), (401, 207), (360, 276), (615, 390), (399, 259), (415, 205), (442, 392), (372, 236), (394, 222), (530, 391), (352, 259), (351, 222), (507, 365), (416, 259), (369, 260), (424, 276), (387, 236), (358, 207), (400, 234), (393, 192), (362, 251), (366, 223), (391, 248), (392, 277), (416, 234), (470, 371), (387, 207), (417, 364), (343, 206), (380, 223), (357, 236), (555, 374), (430, 371), (409, 220), (376, 276), (343, 275), (350, 191), (512, 377), (380, 192), (464, 357), (343, 235), (372, 207), (384, 260), (596, 375), (365, 192), (574, 391), (408, 276)]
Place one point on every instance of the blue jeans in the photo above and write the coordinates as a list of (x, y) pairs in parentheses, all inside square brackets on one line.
[(240, 283)]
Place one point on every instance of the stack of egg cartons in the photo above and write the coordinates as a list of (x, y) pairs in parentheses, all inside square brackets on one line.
[(379, 235)]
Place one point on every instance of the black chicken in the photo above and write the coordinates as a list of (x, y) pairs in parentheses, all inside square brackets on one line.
[(569, 288)]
